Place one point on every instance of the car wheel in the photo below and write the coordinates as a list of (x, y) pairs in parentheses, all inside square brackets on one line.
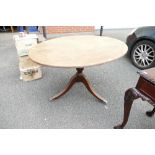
[(143, 54)]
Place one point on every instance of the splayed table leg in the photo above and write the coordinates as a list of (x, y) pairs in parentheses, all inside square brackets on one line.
[(79, 77)]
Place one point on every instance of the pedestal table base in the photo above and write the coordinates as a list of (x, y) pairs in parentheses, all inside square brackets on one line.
[(79, 77)]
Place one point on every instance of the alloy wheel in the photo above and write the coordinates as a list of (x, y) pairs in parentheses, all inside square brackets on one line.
[(144, 55)]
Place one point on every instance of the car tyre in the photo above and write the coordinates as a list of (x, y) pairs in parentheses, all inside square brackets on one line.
[(143, 54)]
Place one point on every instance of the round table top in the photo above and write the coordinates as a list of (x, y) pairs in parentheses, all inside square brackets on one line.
[(77, 51)]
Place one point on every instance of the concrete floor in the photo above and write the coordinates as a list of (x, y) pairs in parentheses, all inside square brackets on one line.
[(26, 105)]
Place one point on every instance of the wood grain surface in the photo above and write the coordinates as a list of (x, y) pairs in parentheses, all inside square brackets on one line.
[(77, 51)]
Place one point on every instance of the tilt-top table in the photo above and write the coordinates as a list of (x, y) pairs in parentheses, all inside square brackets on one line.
[(78, 52)]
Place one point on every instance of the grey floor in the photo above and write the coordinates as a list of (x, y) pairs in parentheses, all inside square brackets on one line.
[(26, 104)]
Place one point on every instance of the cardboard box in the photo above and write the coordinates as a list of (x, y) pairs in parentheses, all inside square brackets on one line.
[(29, 70), (24, 43)]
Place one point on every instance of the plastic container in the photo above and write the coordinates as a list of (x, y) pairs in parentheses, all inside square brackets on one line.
[(32, 28), (20, 28)]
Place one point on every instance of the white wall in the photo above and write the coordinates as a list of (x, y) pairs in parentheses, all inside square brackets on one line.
[(109, 13), (126, 13)]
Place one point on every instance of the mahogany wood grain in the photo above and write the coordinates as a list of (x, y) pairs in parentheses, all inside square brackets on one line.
[(145, 89), (79, 77)]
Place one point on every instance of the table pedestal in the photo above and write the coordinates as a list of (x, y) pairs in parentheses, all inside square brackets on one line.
[(79, 77)]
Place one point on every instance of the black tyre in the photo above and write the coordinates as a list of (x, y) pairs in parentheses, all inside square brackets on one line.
[(143, 54)]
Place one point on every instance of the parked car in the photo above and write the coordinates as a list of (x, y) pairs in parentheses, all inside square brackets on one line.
[(141, 47)]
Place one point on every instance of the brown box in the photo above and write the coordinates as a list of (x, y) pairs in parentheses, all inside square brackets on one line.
[(29, 70)]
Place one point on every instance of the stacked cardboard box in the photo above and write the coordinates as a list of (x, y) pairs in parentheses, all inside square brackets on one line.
[(29, 70)]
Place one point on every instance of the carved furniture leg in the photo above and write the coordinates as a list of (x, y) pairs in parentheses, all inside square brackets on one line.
[(150, 113), (90, 89), (79, 77), (66, 89), (130, 95)]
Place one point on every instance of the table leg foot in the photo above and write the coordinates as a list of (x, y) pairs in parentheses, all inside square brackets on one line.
[(79, 77), (130, 95), (150, 113), (90, 89), (119, 126)]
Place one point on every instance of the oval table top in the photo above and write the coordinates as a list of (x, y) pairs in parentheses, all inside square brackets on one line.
[(77, 51)]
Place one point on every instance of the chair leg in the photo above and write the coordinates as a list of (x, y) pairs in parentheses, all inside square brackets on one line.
[(130, 96), (150, 113)]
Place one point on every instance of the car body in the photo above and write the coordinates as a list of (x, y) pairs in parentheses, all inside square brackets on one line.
[(141, 47)]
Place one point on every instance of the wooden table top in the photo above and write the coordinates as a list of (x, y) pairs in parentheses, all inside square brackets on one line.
[(77, 51), (148, 74)]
